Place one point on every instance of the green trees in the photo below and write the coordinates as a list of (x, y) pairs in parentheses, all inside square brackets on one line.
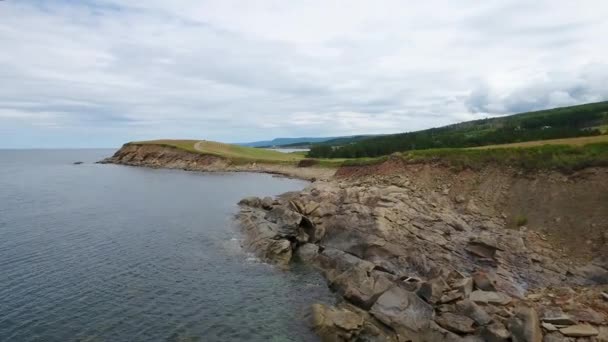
[(567, 122)]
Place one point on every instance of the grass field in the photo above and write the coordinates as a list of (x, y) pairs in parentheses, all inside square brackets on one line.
[(234, 152), (561, 154), (570, 142)]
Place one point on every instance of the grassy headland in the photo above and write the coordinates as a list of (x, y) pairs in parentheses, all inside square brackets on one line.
[(235, 153)]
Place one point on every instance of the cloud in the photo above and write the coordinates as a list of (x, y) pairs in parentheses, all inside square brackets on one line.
[(240, 70)]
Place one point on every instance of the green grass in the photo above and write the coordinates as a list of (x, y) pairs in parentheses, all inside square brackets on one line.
[(528, 157), (236, 153), (565, 158)]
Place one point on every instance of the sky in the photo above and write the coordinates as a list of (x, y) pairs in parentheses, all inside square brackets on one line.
[(99, 73)]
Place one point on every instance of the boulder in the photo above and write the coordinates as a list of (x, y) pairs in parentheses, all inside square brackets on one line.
[(579, 330), (279, 252), (307, 252), (495, 332), (473, 311), (484, 247), (361, 286), (464, 286), (287, 221), (490, 297), (267, 203), (252, 201), (525, 325), (432, 290), (484, 281), (402, 309), (455, 323), (335, 325)]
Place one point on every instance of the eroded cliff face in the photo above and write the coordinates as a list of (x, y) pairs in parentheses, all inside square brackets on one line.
[(424, 253), (158, 156)]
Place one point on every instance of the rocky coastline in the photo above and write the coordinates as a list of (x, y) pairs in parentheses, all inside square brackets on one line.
[(425, 253), (167, 157), (422, 252)]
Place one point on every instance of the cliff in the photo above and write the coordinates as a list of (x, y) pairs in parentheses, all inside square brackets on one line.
[(421, 252), (171, 157)]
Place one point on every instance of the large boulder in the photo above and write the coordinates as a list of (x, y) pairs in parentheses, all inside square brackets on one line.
[(403, 310), (307, 252), (335, 325), (473, 311), (287, 221), (525, 325)]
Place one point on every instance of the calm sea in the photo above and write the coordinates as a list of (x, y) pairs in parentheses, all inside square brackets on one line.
[(114, 253)]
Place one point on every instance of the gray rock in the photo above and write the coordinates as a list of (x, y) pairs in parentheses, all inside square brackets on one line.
[(525, 325), (402, 309), (470, 309), (361, 286), (267, 203), (605, 295), (560, 320), (252, 201), (455, 323), (490, 297), (548, 326), (307, 252), (495, 332), (432, 290), (579, 330), (287, 221)]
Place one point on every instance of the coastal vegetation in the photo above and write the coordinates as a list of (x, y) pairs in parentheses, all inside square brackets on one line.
[(560, 123)]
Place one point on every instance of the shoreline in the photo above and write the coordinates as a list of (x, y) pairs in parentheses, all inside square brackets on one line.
[(171, 158), (423, 252)]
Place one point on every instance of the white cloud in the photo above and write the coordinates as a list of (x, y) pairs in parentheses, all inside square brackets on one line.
[(243, 70)]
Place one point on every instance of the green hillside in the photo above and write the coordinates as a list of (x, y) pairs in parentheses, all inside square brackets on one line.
[(560, 123)]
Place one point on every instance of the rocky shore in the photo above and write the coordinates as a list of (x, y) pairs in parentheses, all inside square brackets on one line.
[(425, 253), (422, 252)]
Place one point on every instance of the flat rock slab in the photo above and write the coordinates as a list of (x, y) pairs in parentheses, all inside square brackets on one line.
[(490, 297), (456, 323), (560, 320), (579, 330)]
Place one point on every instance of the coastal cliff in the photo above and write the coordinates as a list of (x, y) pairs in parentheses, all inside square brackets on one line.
[(171, 157), (422, 252)]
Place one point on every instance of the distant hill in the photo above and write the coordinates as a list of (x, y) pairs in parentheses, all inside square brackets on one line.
[(566, 122), (304, 142), (278, 142)]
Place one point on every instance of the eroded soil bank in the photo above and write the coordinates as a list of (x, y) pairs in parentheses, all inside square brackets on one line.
[(425, 253)]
